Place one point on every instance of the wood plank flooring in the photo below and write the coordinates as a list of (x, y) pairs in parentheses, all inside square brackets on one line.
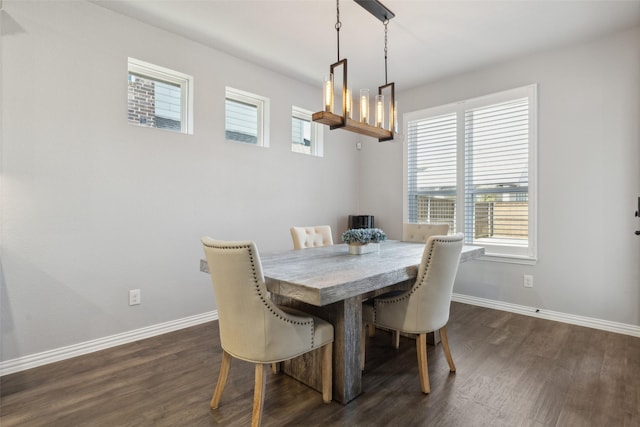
[(512, 370)]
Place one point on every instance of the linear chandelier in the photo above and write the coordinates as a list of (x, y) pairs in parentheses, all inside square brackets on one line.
[(373, 125)]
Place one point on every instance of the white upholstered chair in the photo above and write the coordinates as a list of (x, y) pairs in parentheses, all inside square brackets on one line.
[(421, 232), (252, 327), (418, 233), (309, 237), (425, 307)]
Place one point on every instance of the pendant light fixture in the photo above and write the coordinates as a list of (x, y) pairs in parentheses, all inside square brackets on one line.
[(381, 120)]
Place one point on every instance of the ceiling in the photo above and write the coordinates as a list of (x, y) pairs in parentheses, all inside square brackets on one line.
[(427, 40)]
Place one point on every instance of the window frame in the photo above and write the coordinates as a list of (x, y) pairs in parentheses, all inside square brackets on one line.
[(316, 132), (262, 105), (167, 75), (494, 252)]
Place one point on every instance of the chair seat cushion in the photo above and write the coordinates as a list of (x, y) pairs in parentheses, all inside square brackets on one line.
[(323, 330)]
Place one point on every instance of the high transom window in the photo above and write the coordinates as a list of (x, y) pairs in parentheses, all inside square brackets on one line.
[(159, 97), (306, 135), (246, 118)]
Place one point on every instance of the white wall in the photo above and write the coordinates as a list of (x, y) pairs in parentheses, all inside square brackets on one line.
[(589, 178), (93, 206)]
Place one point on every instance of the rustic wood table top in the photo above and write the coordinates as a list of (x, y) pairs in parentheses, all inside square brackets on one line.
[(326, 274)]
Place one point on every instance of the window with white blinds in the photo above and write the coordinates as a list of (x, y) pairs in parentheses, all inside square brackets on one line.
[(472, 165), (432, 183), (246, 117)]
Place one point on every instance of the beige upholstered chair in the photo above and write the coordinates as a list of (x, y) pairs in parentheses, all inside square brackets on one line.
[(252, 327), (425, 307), (309, 237), (421, 232), (418, 233)]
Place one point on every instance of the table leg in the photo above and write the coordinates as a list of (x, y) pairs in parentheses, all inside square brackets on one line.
[(346, 318)]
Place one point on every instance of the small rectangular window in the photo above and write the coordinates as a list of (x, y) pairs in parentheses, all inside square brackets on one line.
[(306, 136), (246, 118), (159, 97)]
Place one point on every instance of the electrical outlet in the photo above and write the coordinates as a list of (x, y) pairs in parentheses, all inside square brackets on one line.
[(204, 266), (527, 281), (135, 297)]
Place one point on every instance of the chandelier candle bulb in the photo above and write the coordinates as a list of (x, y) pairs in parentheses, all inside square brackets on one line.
[(328, 93), (364, 105), (349, 104), (380, 111)]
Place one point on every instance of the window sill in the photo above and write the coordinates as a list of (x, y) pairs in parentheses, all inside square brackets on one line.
[(509, 259)]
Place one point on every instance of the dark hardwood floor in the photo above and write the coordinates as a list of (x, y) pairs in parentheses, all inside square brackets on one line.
[(513, 370)]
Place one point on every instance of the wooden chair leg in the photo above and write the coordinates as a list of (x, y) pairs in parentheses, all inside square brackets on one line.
[(372, 330), (222, 379), (327, 373), (423, 366), (445, 346), (395, 338), (275, 367), (258, 395)]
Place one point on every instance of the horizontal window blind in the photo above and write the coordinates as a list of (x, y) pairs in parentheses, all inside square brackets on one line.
[(496, 173), (472, 164), (432, 175)]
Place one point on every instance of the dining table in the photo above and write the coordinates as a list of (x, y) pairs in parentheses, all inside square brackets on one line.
[(329, 282)]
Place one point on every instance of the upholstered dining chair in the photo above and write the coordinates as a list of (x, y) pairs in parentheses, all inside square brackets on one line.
[(252, 327), (309, 237), (425, 307), (421, 232), (418, 233)]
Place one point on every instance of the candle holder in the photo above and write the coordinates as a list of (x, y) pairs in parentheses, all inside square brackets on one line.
[(380, 111), (364, 105), (327, 98)]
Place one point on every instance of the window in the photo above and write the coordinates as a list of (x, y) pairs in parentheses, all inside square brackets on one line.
[(472, 165), (246, 118), (159, 97), (306, 136)]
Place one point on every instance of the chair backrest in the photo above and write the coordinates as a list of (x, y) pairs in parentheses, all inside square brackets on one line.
[(309, 237), (421, 232), (252, 327), (425, 307), (434, 283)]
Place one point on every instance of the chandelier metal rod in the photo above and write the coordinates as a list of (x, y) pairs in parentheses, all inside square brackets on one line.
[(338, 26), (386, 81)]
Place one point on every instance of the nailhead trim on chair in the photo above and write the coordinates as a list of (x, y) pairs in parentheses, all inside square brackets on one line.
[(265, 300), (418, 283)]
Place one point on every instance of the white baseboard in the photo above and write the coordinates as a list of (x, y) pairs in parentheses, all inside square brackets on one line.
[(589, 322), (62, 353), (39, 359)]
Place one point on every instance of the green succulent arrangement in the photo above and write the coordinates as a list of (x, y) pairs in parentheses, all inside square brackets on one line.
[(363, 236)]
